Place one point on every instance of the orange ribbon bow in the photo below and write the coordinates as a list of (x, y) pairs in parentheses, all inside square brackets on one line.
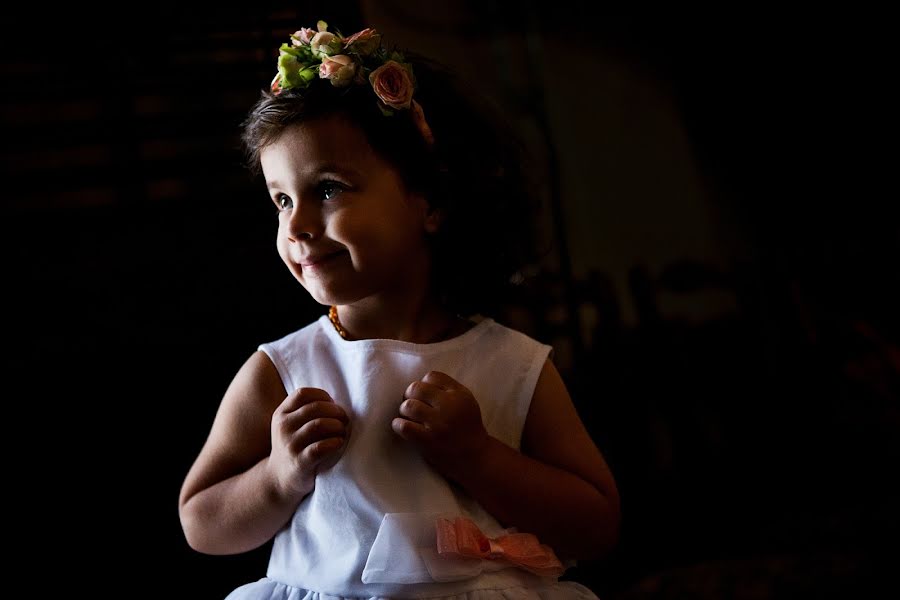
[(462, 538)]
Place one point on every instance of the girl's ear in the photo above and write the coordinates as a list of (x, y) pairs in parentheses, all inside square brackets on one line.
[(433, 220)]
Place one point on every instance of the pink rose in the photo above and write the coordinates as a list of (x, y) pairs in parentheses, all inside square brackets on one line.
[(303, 36), (325, 43), (364, 42), (392, 84), (340, 69)]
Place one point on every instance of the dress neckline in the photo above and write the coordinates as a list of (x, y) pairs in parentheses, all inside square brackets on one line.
[(480, 324)]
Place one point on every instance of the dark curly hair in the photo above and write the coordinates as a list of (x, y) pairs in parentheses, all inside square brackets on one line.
[(478, 173)]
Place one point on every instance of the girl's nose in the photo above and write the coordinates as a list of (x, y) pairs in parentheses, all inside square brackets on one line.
[(305, 222)]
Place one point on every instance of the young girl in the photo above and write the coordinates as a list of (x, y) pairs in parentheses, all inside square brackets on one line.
[(403, 446)]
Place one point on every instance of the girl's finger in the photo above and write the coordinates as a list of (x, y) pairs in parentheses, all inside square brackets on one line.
[(317, 409), (293, 421), (418, 411), (441, 380), (410, 430), (426, 392), (315, 431), (302, 396), (315, 453)]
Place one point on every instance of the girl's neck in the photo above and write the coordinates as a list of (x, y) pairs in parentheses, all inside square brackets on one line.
[(422, 322)]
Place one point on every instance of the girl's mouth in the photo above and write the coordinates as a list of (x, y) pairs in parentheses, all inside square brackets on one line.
[(317, 262)]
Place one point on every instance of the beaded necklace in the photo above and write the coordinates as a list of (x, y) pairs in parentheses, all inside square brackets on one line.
[(333, 317)]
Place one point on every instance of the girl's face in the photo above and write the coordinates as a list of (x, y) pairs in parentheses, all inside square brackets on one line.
[(347, 227)]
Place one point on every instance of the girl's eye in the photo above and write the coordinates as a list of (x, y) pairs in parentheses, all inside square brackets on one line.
[(284, 202), (329, 189)]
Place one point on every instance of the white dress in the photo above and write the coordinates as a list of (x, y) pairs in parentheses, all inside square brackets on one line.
[(367, 528)]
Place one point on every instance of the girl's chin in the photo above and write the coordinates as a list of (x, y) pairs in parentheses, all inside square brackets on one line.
[(328, 297)]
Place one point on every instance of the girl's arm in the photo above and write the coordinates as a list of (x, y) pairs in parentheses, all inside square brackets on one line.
[(240, 491), (558, 488)]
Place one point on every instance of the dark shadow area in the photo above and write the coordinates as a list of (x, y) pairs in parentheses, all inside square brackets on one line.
[(755, 449)]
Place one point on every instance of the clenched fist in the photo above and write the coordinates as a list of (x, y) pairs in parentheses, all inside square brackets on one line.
[(441, 417), (308, 432)]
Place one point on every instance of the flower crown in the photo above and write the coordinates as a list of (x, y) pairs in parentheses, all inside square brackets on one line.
[(354, 60)]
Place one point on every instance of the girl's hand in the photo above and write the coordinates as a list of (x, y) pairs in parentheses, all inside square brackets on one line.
[(442, 419), (308, 429)]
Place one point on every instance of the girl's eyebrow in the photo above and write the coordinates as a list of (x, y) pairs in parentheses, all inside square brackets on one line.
[(320, 169), (330, 167)]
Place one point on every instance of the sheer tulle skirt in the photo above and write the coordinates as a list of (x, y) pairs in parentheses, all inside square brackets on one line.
[(268, 589)]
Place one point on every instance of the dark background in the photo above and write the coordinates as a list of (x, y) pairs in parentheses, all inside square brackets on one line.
[(755, 449)]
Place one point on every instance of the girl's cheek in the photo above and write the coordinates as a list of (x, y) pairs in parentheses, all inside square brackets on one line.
[(282, 245), (336, 224)]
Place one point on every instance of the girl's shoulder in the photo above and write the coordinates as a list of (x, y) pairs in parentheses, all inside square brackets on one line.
[(504, 335), (289, 348), (308, 331)]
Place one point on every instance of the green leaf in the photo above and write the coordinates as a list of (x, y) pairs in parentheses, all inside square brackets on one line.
[(308, 74), (289, 49), (385, 109), (292, 72)]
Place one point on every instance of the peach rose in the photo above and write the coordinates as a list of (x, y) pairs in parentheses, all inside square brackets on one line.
[(340, 69), (363, 42), (325, 43), (392, 84), (303, 36)]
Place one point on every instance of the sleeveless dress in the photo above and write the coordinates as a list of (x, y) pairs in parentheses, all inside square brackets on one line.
[(366, 531)]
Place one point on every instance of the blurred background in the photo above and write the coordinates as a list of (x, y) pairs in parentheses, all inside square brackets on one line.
[(721, 291)]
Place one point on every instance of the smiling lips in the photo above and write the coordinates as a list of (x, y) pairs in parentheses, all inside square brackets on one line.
[(313, 262)]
